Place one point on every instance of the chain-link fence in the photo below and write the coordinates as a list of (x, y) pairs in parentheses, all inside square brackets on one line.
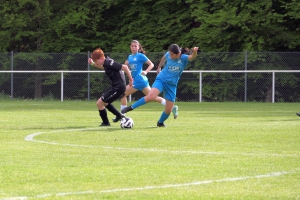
[(232, 76)]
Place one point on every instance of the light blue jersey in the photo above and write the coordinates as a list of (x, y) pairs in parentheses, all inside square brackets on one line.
[(166, 81), (136, 62), (173, 69)]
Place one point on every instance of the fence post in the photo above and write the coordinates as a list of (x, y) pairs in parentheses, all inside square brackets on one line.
[(89, 79), (61, 86), (200, 86), (12, 76), (273, 86), (245, 92)]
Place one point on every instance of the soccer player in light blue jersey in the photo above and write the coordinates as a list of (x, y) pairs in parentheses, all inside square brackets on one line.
[(175, 61), (135, 61)]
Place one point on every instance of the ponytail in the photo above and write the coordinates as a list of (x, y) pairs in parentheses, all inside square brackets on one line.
[(185, 50)]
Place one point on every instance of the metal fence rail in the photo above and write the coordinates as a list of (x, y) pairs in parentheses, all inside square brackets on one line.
[(212, 76), (196, 79)]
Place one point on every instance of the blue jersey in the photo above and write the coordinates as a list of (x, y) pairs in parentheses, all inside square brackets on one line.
[(136, 62), (173, 69)]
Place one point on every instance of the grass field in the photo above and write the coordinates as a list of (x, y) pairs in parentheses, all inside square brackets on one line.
[(56, 150)]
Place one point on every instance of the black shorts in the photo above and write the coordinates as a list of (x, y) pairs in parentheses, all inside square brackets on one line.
[(111, 94)]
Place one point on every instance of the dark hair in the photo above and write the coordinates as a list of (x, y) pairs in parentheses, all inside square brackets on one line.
[(176, 49), (140, 50), (185, 50)]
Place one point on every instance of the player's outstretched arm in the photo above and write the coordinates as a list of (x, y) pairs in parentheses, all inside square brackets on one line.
[(194, 53)]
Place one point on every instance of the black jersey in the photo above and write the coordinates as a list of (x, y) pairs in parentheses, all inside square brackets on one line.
[(114, 72)]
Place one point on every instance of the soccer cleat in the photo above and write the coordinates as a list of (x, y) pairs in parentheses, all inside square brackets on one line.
[(161, 124), (175, 111), (298, 114), (104, 124), (126, 109), (118, 118)]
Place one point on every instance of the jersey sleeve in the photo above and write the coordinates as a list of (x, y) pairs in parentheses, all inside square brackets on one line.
[(110, 63), (117, 66), (143, 58), (185, 57)]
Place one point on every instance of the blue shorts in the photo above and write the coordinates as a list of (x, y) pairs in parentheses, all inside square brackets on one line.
[(169, 90), (140, 84)]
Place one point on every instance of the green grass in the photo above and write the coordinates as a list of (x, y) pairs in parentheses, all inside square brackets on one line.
[(56, 150)]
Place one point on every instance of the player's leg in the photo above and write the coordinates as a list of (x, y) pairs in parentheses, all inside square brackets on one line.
[(298, 114), (110, 96), (166, 113), (129, 91), (158, 99), (142, 101), (162, 101), (102, 112), (170, 96)]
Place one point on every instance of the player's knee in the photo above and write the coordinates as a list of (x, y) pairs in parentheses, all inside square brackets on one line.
[(99, 102), (149, 98)]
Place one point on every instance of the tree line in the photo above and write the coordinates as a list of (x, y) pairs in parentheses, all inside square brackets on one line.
[(213, 25), (38, 29)]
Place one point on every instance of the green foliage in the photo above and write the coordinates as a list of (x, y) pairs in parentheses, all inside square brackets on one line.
[(23, 24), (239, 25), (80, 26)]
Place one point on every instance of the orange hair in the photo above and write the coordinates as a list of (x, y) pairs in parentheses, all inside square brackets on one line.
[(97, 54)]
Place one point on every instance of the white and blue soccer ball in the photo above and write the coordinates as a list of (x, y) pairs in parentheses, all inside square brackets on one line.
[(126, 122)]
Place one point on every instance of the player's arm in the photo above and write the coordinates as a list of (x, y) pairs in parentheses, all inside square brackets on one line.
[(194, 54), (127, 72), (161, 63), (150, 66), (126, 63)]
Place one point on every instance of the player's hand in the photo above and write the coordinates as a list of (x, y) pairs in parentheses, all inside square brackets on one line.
[(131, 82), (158, 70), (144, 73), (195, 49), (90, 61)]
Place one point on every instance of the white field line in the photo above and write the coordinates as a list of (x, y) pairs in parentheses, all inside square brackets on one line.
[(31, 138), (62, 194)]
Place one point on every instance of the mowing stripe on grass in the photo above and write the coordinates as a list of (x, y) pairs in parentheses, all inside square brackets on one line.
[(33, 135)]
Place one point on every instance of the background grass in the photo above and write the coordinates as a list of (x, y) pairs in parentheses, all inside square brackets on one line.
[(212, 151)]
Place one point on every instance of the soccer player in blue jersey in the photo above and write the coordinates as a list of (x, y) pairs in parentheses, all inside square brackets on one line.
[(175, 61), (135, 61)]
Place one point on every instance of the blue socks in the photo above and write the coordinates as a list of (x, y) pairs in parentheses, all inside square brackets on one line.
[(139, 103), (164, 116)]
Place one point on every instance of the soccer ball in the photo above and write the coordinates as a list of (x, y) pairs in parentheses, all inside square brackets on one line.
[(126, 122)]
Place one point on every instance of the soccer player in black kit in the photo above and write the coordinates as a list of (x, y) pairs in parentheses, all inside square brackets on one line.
[(114, 72)]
